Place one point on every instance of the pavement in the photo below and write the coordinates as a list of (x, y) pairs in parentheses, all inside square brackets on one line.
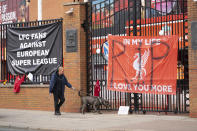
[(16, 129), (28, 120)]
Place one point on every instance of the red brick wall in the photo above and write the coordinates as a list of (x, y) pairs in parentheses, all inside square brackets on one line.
[(51, 9), (192, 16), (34, 99), (28, 98)]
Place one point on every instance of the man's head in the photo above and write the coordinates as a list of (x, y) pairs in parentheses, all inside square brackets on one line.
[(60, 70)]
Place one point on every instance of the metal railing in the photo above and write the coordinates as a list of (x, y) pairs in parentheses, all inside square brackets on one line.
[(5, 76)]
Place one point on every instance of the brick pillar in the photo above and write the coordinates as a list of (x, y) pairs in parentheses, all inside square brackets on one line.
[(74, 62), (192, 16)]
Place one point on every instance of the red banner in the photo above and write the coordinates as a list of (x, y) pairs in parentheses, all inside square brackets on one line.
[(143, 64)]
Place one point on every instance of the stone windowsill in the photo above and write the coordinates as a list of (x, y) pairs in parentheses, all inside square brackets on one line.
[(73, 3)]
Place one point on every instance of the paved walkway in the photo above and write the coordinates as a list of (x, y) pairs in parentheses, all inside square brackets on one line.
[(44, 120)]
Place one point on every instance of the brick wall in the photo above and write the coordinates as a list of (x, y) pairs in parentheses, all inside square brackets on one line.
[(33, 98), (51, 9), (29, 98), (192, 16)]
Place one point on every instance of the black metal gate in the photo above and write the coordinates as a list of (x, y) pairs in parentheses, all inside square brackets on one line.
[(138, 18)]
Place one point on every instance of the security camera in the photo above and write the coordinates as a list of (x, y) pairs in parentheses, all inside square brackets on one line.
[(69, 12)]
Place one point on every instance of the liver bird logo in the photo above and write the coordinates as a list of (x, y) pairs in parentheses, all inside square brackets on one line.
[(139, 66)]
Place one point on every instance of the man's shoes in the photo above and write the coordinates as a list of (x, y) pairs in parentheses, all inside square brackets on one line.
[(57, 113)]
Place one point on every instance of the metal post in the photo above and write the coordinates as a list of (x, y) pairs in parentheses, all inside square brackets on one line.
[(134, 18), (135, 34)]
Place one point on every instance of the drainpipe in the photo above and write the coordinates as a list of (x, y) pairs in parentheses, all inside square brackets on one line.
[(39, 9)]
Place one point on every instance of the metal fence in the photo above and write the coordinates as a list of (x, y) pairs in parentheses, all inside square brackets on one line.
[(138, 18), (5, 76)]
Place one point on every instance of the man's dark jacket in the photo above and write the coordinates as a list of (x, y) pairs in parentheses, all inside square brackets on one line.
[(64, 82)]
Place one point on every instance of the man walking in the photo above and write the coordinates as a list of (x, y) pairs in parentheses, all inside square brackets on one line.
[(57, 87)]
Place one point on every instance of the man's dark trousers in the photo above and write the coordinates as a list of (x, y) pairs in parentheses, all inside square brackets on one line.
[(58, 100)]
